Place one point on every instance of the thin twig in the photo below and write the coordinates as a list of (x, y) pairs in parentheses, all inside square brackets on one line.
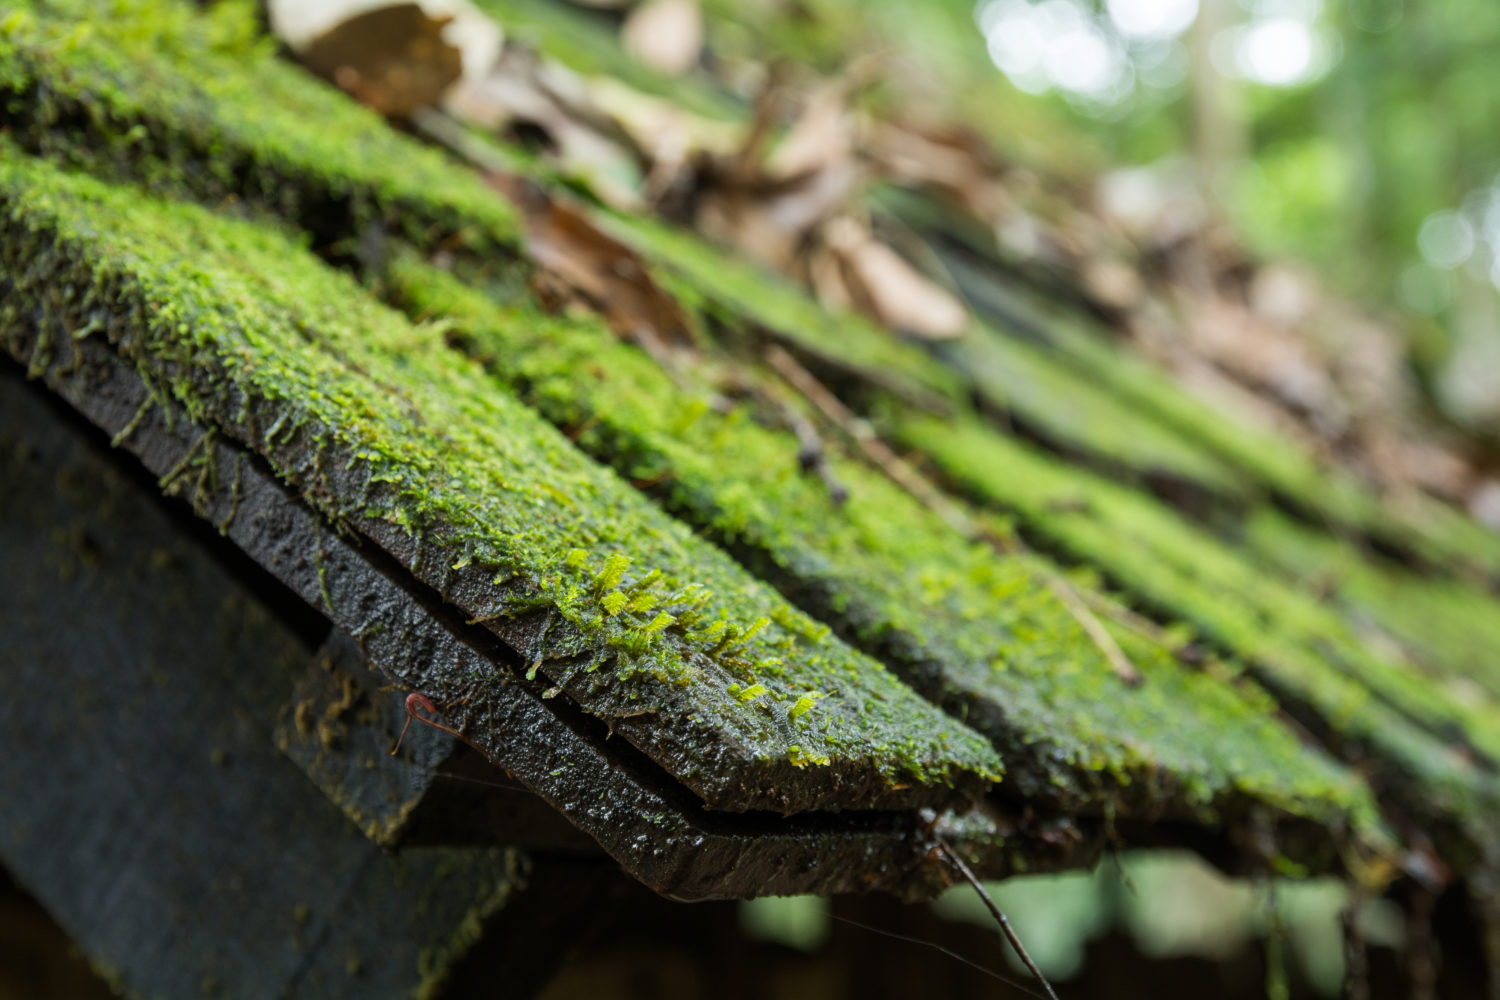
[(1118, 661), (812, 456), (1010, 935), (875, 451), (900, 472)]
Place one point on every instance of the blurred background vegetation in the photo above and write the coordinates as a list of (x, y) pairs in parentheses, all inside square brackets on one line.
[(1355, 135)]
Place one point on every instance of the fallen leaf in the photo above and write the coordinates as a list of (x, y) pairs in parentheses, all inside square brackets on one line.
[(1112, 282), (1484, 504), (954, 161), (667, 136), (393, 59), (606, 274), (664, 35), (883, 285)]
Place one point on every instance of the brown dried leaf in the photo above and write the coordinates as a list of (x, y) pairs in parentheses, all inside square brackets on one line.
[(888, 289), (668, 136), (955, 161), (821, 138), (664, 35), (1112, 282), (393, 59), (768, 207), (600, 270), (771, 221)]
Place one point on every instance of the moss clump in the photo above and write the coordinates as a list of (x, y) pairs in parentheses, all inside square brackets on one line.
[(1308, 654), (1015, 380), (177, 99), (1055, 403), (981, 633), (261, 341)]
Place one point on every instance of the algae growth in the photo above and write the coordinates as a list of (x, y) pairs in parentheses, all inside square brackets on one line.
[(1307, 653), (981, 633), (259, 339)]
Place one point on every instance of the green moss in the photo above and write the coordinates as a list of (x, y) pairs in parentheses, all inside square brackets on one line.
[(1447, 628), (737, 292), (177, 99), (259, 339), (1014, 379), (1070, 412), (1427, 529), (1305, 651), (981, 633)]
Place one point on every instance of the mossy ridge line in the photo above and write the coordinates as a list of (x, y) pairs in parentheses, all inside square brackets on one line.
[(266, 343), (810, 756), (1071, 415), (1447, 628), (1188, 575), (177, 99), (180, 110), (979, 633), (1010, 377), (1433, 533), (1128, 519), (1440, 712)]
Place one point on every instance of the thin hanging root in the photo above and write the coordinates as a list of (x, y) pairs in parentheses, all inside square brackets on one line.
[(1421, 969), (1010, 935), (1356, 959), (415, 701)]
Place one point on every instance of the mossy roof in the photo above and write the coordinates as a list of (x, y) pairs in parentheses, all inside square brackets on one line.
[(1304, 649), (258, 338), (979, 632), (451, 413), (207, 95)]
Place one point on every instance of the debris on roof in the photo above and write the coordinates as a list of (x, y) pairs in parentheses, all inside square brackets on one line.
[(723, 476)]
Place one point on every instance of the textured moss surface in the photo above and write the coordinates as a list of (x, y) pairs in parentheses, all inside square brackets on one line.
[(981, 632), (257, 337), (1306, 651), (1449, 629), (1069, 411), (1260, 460), (1014, 380), (223, 116), (197, 108)]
